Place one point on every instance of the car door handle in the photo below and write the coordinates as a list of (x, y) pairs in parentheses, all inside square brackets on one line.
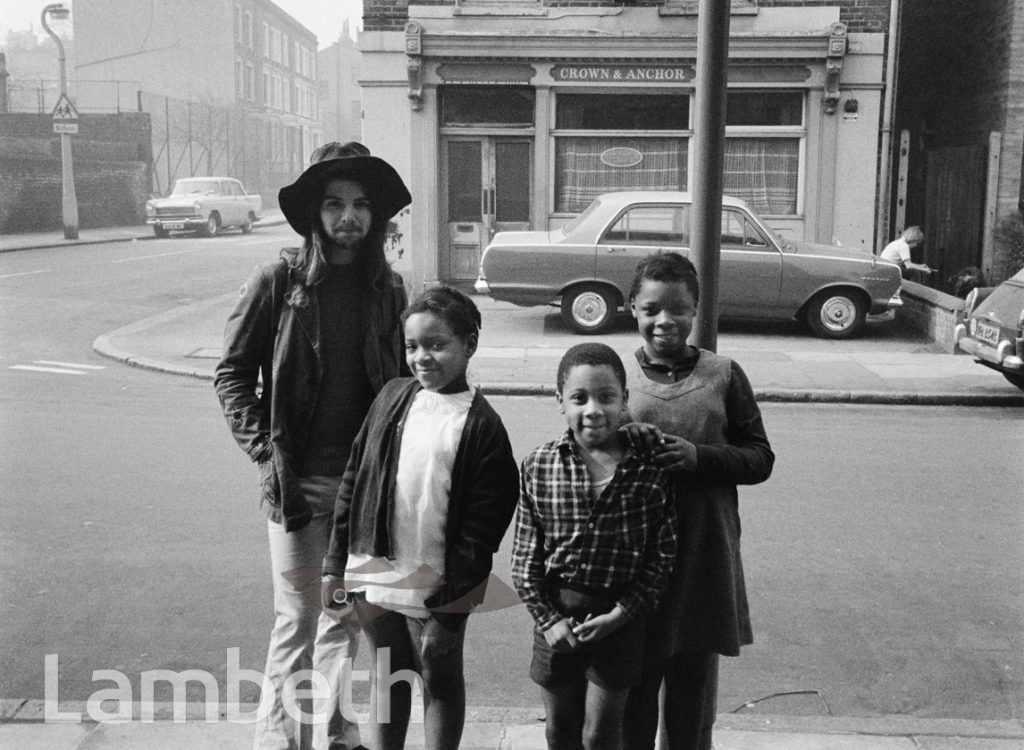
[(616, 249)]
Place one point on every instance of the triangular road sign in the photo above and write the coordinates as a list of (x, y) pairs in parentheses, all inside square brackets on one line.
[(65, 110)]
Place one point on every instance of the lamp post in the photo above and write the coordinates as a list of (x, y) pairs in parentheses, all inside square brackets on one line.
[(69, 203)]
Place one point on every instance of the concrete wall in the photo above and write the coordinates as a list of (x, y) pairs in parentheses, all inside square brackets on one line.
[(111, 155)]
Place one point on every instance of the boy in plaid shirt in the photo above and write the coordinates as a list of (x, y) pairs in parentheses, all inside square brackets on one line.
[(595, 540)]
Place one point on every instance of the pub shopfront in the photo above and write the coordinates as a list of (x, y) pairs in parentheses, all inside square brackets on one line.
[(517, 122)]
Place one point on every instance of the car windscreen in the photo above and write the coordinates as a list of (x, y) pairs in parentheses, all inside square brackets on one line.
[(191, 187)]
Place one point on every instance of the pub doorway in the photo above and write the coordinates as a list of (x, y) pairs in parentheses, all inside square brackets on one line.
[(487, 184)]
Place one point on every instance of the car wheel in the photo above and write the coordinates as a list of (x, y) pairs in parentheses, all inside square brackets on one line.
[(1015, 378), (836, 314), (210, 227), (246, 226), (589, 309), (160, 232)]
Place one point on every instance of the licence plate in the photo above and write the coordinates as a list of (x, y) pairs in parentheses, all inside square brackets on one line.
[(988, 333), (174, 225)]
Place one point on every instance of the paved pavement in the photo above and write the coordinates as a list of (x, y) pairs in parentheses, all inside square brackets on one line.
[(520, 348), (518, 354)]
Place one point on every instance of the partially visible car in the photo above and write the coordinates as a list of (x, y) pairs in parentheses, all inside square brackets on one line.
[(204, 205), (587, 266), (993, 328)]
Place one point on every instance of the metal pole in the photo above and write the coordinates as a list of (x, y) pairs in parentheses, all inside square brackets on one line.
[(709, 147), (69, 201), (882, 207)]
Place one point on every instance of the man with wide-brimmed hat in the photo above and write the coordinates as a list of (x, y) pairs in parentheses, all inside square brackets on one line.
[(321, 326)]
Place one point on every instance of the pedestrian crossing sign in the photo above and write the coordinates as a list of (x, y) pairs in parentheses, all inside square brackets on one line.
[(65, 110)]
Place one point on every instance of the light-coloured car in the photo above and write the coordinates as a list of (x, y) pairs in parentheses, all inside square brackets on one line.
[(993, 331), (588, 266), (204, 205)]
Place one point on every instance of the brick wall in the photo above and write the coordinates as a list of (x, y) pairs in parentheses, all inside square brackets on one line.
[(859, 15), (112, 157), (932, 313)]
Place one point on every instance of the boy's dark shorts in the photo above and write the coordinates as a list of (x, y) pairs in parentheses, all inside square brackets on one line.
[(613, 663)]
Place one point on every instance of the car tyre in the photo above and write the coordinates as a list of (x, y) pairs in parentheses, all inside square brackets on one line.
[(589, 309), (160, 232), (246, 226), (836, 314), (210, 227), (1015, 378)]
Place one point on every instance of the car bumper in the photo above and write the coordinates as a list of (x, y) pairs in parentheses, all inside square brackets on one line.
[(480, 286), (1003, 356), (190, 222)]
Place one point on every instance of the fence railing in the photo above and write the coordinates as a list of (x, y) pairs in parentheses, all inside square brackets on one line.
[(40, 96), (263, 150), (190, 138)]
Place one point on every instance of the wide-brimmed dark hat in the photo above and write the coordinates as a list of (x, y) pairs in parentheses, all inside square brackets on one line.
[(387, 193)]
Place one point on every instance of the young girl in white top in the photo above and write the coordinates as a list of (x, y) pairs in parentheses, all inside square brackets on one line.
[(430, 488)]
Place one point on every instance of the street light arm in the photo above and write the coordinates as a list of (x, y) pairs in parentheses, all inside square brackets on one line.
[(59, 12)]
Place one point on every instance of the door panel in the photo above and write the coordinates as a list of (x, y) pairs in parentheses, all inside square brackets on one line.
[(466, 230), (488, 191), (511, 186), (750, 274), (639, 232)]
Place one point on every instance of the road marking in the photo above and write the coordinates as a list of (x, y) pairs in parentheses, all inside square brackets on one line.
[(68, 364), (25, 273), (56, 370), (158, 255)]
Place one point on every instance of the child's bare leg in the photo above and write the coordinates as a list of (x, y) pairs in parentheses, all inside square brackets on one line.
[(444, 684), (605, 708), (390, 695), (565, 705)]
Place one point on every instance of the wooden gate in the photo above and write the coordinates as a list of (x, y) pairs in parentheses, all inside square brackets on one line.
[(954, 208)]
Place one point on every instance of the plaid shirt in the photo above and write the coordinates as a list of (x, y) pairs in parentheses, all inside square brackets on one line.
[(623, 543)]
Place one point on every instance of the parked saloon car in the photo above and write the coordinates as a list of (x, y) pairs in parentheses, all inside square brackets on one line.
[(994, 328), (588, 264), (204, 205)]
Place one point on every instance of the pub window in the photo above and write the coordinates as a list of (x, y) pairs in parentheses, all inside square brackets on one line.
[(463, 106), (609, 142), (622, 112), (764, 132)]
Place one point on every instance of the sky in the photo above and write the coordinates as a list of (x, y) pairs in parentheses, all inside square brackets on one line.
[(323, 17)]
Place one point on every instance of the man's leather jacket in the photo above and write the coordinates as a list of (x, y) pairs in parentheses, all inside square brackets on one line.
[(273, 336)]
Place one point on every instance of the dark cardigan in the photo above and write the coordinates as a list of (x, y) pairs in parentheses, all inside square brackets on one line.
[(484, 493)]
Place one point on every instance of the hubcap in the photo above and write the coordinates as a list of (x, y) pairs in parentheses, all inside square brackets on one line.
[(838, 313), (589, 309)]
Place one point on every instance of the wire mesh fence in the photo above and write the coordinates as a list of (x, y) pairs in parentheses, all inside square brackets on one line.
[(263, 150)]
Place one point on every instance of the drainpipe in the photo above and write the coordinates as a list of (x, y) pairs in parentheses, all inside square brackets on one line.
[(3, 83), (885, 167)]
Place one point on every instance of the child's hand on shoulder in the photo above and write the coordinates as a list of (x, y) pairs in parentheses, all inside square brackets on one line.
[(645, 439), (677, 454), (596, 627), (560, 636), (668, 451)]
